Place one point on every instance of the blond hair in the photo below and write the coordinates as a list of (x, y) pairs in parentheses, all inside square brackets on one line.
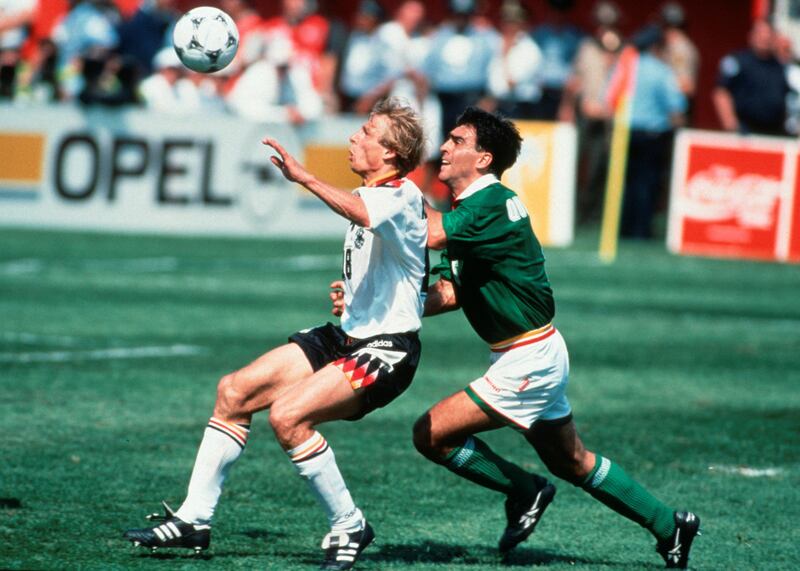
[(406, 136)]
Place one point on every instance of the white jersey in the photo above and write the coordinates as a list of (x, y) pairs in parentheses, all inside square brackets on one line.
[(385, 267)]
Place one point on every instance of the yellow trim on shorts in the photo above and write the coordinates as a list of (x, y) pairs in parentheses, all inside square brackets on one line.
[(507, 343)]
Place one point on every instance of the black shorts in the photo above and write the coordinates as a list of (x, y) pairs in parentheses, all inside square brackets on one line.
[(381, 367)]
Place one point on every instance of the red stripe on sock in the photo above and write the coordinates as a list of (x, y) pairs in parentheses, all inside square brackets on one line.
[(238, 434)]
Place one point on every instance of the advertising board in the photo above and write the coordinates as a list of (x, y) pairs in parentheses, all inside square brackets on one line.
[(733, 196)]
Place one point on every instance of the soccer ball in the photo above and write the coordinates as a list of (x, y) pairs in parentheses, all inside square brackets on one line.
[(205, 39)]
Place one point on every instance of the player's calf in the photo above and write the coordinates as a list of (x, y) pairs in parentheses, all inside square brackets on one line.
[(435, 445), (171, 531)]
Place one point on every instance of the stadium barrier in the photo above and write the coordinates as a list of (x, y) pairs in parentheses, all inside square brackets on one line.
[(735, 196), (544, 177), (131, 170)]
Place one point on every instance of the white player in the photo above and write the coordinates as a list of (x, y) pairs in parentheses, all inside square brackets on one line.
[(329, 372)]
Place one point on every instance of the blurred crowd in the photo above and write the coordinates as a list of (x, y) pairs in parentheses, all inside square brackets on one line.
[(303, 64)]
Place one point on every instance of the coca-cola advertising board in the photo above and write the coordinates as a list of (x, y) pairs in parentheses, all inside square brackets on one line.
[(794, 236), (735, 196)]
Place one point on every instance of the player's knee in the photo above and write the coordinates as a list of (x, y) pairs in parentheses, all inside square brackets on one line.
[(230, 400), (425, 440)]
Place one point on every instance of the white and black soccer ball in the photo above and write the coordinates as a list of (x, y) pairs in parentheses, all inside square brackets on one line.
[(205, 39)]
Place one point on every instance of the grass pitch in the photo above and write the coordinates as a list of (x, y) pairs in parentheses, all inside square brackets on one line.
[(684, 371)]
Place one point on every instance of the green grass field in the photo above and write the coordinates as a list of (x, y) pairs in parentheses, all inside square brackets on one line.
[(685, 371)]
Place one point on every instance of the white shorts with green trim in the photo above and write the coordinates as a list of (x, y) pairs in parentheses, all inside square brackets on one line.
[(526, 381)]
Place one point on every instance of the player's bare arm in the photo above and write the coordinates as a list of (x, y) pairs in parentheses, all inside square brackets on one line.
[(437, 239), (441, 298), (340, 201)]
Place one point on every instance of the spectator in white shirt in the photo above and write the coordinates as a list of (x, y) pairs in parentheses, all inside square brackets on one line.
[(274, 89), (159, 91), (514, 79)]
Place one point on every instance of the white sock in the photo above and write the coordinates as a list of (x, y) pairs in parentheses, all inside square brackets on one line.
[(316, 464), (223, 443)]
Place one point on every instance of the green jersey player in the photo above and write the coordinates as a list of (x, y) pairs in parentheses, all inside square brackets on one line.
[(493, 268)]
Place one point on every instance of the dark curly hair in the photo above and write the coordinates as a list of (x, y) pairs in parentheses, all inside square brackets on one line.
[(494, 134)]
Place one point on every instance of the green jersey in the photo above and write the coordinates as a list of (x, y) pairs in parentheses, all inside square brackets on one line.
[(496, 265)]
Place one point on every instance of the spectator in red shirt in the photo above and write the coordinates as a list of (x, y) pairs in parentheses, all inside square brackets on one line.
[(249, 23), (307, 30)]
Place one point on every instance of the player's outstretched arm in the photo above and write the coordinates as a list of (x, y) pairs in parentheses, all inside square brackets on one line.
[(437, 239), (441, 298), (340, 201)]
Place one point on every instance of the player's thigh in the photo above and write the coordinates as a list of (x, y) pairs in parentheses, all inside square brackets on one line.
[(526, 384), (257, 385), (321, 397), (451, 420)]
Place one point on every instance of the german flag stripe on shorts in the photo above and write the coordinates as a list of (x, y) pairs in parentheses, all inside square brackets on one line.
[(527, 338), (360, 370)]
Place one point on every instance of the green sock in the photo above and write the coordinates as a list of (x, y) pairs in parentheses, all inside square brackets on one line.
[(610, 484), (476, 462)]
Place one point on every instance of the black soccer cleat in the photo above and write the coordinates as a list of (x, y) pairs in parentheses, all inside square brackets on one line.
[(523, 516), (343, 548), (675, 549), (173, 532)]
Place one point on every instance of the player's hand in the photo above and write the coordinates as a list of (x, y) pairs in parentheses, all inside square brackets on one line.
[(337, 297), (291, 169)]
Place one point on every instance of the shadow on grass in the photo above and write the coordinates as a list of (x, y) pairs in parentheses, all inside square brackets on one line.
[(430, 552), (262, 534), (181, 555), (209, 556), (189, 555), (528, 557)]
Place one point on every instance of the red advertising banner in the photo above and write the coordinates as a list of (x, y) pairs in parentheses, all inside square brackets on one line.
[(794, 234), (734, 196)]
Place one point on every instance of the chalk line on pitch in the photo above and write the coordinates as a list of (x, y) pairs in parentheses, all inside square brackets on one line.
[(170, 264), (747, 471), (38, 339), (103, 354)]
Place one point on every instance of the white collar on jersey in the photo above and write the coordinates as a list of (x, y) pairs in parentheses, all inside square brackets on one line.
[(477, 185)]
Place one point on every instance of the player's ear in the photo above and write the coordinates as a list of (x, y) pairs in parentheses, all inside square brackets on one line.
[(389, 155), (484, 160)]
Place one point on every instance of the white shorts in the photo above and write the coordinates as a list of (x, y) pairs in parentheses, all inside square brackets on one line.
[(527, 380)]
